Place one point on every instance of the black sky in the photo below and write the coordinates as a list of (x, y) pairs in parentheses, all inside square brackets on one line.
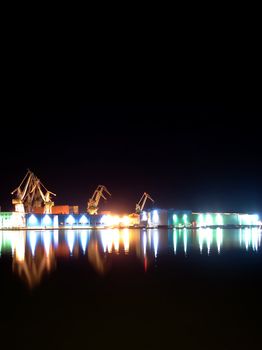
[(183, 134)]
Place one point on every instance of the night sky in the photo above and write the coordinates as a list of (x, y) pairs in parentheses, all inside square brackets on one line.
[(184, 142)]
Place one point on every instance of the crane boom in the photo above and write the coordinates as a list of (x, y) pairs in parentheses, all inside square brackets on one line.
[(140, 205)]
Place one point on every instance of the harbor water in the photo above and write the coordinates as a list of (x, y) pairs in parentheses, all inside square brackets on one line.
[(130, 288)]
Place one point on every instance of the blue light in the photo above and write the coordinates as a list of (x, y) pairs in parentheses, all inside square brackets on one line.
[(32, 241), (83, 220), (71, 240), (83, 239), (32, 220), (47, 221), (70, 220)]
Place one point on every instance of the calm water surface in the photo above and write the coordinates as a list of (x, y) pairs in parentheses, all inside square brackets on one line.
[(157, 288)]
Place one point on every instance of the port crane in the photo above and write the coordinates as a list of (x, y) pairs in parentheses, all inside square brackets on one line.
[(46, 198), (140, 205), (29, 195), (92, 205), (22, 192)]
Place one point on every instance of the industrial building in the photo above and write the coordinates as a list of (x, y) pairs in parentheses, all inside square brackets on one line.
[(146, 219), (188, 219)]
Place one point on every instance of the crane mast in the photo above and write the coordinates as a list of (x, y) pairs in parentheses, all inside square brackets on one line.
[(92, 205), (140, 205)]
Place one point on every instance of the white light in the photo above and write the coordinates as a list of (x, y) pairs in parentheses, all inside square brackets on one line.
[(155, 217), (83, 220), (201, 220), (32, 241), (71, 240), (32, 220), (83, 239), (175, 240), (144, 243), (185, 218), (104, 240), (219, 219), (116, 239), (47, 241), (70, 220), (255, 219), (155, 240), (56, 238), (126, 240), (209, 239), (144, 216), (201, 239), (209, 220), (47, 220), (219, 238), (185, 241)]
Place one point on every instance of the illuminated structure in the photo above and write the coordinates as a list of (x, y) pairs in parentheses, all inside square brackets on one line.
[(140, 205), (29, 195), (92, 205)]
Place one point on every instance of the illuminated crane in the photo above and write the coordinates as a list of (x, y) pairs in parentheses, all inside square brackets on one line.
[(48, 203), (22, 192), (29, 195), (92, 205), (140, 205)]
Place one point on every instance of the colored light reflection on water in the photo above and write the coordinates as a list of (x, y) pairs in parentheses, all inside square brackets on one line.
[(174, 282), (145, 246)]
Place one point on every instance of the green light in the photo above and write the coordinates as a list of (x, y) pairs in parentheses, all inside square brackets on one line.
[(201, 219), (185, 218), (175, 218), (209, 220), (219, 219)]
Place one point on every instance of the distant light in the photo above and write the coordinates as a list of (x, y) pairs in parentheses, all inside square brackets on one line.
[(56, 237), (155, 217), (201, 220), (70, 220), (32, 241), (125, 220), (209, 220), (255, 219), (155, 240), (47, 241), (32, 220), (47, 220), (126, 240), (219, 219), (185, 240), (144, 243), (185, 218), (83, 220), (175, 240), (71, 240), (144, 216), (219, 238), (83, 239), (175, 218)]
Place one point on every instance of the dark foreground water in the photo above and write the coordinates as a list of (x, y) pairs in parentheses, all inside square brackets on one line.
[(110, 289)]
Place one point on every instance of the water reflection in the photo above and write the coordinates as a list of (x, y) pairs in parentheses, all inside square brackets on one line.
[(35, 253)]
